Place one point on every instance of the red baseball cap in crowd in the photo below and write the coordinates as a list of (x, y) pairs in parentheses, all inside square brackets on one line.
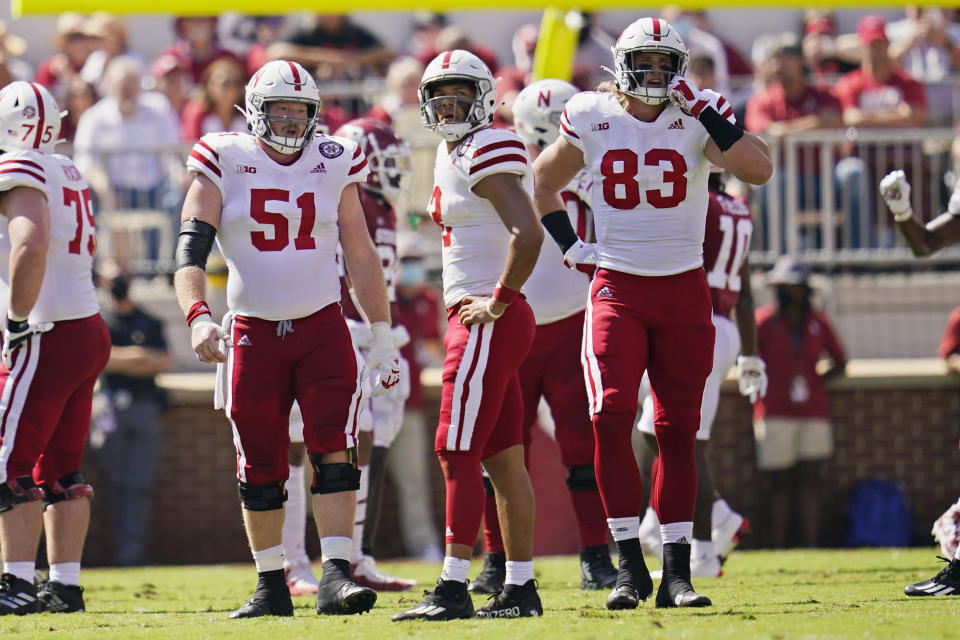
[(823, 24), (872, 27)]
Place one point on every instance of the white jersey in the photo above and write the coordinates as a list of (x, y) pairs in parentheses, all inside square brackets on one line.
[(650, 183), (278, 227), (475, 240), (554, 291), (67, 291)]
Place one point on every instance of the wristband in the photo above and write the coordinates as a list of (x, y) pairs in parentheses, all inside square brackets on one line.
[(490, 311), (723, 132), (904, 215), (197, 309), (503, 293)]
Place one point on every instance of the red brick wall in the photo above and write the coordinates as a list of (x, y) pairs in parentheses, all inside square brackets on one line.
[(905, 431)]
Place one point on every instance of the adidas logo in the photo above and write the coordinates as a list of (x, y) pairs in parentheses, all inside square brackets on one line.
[(678, 124), (322, 169), (683, 540), (245, 341), (604, 293)]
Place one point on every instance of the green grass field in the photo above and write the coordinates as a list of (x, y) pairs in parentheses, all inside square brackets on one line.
[(762, 594)]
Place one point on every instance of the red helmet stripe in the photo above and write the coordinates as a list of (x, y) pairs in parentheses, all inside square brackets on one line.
[(657, 31), (296, 76), (36, 92), (446, 60)]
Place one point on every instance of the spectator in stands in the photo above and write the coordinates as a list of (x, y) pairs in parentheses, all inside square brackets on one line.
[(334, 48), (400, 105), (130, 452), (454, 37), (11, 66), (111, 41), (593, 52), (701, 42), (823, 53), (789, 104), (792, 423), (196, 47), (512, 79), (73, 42), (80, 97), (214, 107), (172, 77), (423, 41), (266, 31), (950, 343)]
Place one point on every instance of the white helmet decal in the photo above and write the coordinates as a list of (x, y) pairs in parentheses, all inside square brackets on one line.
[(647, 35), (537, 109), (281, 81), (458, 66), (29, 117)]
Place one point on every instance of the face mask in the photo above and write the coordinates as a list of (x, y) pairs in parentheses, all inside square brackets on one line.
[(412, 274)]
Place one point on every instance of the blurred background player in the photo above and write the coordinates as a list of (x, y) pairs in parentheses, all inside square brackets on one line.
[(47, 243), (726, 240), (552, 370), (490, 242), (924, 240)]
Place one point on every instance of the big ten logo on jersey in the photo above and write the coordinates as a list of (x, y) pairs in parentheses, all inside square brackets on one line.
[(72, 173), (599, 126), (242, 169)]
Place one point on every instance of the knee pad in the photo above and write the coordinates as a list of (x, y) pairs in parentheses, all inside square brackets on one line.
[(262, 497), (70, 487), (582, 478), (18, 491), (488, 486), (333, 478)]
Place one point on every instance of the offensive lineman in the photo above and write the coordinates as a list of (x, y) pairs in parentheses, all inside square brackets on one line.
[(552, 369), (47, 244), (278, 201), (649, 305), (491, 239)]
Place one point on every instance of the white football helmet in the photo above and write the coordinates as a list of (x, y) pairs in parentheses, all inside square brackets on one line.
[(281, 81), (458, 66), (537, 110), (389, 157), (29, 117), (647, 35)]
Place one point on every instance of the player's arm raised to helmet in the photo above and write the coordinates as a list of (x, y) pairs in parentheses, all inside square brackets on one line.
[(29, 232), (362, 260), (748, 158)]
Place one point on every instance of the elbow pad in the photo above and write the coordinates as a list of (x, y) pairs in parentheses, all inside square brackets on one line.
[(194, 244)]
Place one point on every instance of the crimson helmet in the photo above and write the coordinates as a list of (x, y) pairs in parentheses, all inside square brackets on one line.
[(387, 155)]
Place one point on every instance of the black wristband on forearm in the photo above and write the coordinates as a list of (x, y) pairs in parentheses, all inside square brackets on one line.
[(723, 132), (558, 226), (194, 244)]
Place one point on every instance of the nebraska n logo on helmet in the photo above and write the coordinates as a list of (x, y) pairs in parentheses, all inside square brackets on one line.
[(458, 66), (281, 81), (648, 35), (29, 117), (537, 110)]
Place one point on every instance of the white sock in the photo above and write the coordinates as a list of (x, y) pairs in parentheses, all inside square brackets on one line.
[(455, 569), (23, 570), (295, 522), (65, 573), (681, 532), (360, 513), (269, 559), (335, 548), (720, 512), (624, 528), (519, 572), (702, 549)]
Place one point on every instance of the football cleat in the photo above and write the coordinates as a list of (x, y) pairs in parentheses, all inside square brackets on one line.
[(300, 580), (945, 583), (515, 601), (491, 577), (272, 598), (17, 596), (633, 578), (449, 600), (727, 534), (596, 569), (706, 567), (367, 574), (675, 588), (56, 597), (338, 594)]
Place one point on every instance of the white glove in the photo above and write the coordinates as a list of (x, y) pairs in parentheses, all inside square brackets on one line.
[(202, 331), (582, 257), (360, 333), (684, 93), (752, 377), (383, 360), (896, 193), (18, 332), (401, 337)]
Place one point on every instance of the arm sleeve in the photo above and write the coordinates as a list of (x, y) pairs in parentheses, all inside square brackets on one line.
[(205, 159)]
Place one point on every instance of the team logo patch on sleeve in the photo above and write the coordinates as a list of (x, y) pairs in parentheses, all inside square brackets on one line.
[(331, 149)]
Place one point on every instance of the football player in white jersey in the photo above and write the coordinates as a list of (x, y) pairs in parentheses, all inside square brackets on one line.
[(54, 346), (648, 141), (278, 201), (491, 239), (552, 370)]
